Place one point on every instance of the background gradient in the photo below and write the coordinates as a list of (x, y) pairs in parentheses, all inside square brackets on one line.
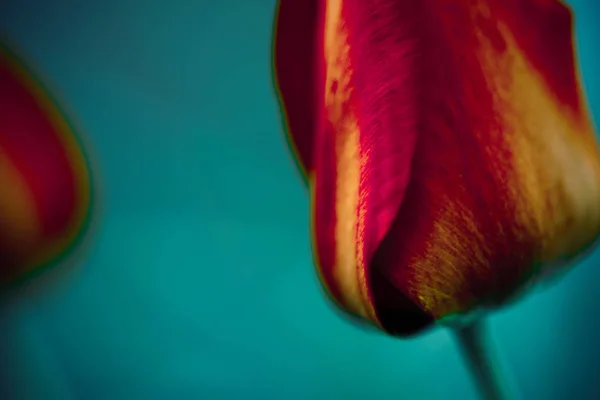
[(199, 284)]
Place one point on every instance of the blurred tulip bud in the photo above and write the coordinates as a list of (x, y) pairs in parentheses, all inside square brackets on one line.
[(447, 146), (46, 191)]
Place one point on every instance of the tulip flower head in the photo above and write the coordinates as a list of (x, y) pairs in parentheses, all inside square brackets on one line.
[(46, 185), (447, 146)]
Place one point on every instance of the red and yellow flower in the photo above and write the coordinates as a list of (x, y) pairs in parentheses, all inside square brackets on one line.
[(46, 186), (447, 146)]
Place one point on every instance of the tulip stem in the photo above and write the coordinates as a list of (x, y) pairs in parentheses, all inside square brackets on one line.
[(474, 343)]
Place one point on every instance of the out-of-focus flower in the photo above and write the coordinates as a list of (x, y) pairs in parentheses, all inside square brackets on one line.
[(46, 188), (447, 146)]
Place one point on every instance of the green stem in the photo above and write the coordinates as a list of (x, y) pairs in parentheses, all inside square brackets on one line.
[(474, 343)]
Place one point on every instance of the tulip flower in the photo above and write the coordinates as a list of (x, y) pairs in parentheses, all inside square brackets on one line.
[(46, 185), (448, 150)]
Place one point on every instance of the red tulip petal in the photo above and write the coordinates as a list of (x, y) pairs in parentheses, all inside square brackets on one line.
[(295, 71), (364, 133), (46, 194), (506, 177)]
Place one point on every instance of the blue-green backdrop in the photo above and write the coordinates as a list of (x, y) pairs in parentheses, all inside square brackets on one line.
[(199, 284)]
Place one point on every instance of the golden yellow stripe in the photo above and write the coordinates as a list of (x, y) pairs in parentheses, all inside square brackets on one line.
[(349, 265), (556, 161)]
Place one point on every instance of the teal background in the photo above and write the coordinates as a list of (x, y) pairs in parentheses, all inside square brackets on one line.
[(199, 284)]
